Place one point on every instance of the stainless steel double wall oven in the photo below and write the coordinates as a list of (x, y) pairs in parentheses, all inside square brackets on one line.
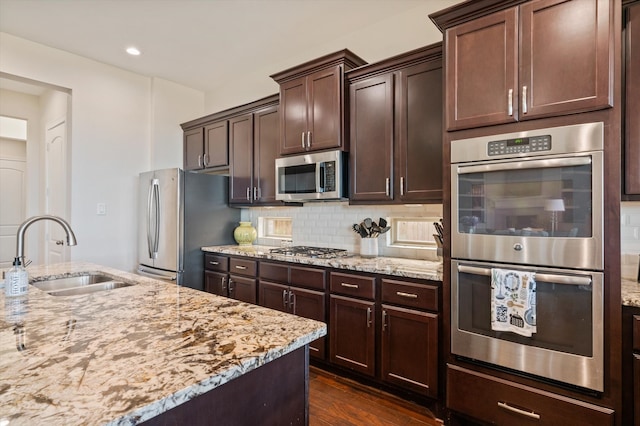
[(531, 201)]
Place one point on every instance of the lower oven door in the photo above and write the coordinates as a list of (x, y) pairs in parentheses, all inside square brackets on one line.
[(568, 343)]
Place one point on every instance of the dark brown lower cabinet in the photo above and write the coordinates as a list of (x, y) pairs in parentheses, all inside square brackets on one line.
[(352, 334), (498, 401), (242, 288), (298, 301), (410, 349), (216, 283)]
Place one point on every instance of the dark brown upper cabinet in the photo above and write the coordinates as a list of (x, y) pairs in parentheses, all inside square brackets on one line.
[(540, 59), (396, 129), (206, 147), (632, 102), (312, 112)]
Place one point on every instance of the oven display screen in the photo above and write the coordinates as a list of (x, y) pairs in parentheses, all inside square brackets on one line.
[(518, 142)]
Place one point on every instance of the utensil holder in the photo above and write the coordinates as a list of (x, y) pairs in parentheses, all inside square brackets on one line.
[(369, 247)]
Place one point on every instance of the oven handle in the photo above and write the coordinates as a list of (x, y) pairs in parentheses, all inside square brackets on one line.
[(548, 278), (518, 165)]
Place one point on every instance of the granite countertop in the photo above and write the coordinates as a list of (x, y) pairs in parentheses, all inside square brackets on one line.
[(408, 268), (630, 292), (126, 355)]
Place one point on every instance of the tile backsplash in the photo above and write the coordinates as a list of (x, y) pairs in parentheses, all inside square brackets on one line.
[(630, 238), (329, 224)]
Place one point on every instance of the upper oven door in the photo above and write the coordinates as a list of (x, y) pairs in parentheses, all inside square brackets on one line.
[(544, 210)]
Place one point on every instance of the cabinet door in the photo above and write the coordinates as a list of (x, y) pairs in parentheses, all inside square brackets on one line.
[(419, 141), (216, 145), (241, 167), (216, 283), (410, 349), (482, 69), (324, 109), (636, 389), (632, 94), (565, 57), (310, 304), (293, 116), (265, 144), (242, 288), (371, 138), (274, 296), (193, 149), (352, 334)]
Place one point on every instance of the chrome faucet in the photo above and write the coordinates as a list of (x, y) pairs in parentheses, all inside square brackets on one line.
[(71, 238)]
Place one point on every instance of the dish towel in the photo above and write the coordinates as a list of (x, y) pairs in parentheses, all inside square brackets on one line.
[(513, 301)]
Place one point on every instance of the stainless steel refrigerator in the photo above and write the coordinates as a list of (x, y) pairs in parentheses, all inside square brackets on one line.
[(180, 212)]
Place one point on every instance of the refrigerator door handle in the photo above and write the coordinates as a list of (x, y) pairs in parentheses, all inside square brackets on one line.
[(156, 212), (149, 210)]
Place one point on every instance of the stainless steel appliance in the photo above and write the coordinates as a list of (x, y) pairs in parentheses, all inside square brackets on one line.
[(312, 177), (180, 212), (531, 201)]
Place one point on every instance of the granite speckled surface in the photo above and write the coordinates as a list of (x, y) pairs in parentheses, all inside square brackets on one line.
[(630, 292), (408, 268), (122, 356)]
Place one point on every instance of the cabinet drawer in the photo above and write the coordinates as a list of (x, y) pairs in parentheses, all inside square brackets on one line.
[(214, 262), (502, 402), (274, 272), (353, 285), (412, 295), (636, 333), (243, 267), (308, 277)]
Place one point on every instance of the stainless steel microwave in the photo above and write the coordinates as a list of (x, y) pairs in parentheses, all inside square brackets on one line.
[(316, 176)]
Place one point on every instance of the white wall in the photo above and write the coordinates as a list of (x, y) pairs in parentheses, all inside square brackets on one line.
[(630, 238), (111, 132), (397, 34)]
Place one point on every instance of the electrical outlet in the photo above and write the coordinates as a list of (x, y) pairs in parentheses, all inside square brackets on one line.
[(101, 209)]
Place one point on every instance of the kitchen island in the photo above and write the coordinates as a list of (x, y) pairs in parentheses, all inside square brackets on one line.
[(151, 352)]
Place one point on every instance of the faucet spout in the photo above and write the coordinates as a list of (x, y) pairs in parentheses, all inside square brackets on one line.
[(71, 238)]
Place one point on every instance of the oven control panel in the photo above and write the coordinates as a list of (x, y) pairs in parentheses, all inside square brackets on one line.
[(519, 145)]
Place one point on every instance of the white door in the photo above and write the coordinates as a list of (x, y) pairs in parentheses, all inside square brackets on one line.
[(56, 191), (12, 208)]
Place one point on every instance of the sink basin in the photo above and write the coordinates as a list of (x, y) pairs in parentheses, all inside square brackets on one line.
[(81, 284)]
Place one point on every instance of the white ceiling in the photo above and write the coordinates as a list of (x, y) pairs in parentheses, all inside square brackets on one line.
[(198, 43)]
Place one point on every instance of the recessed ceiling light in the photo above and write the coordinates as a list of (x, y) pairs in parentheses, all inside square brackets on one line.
[(133, 51)]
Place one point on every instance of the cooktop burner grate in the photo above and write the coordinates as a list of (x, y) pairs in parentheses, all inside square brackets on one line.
[(306, 251)]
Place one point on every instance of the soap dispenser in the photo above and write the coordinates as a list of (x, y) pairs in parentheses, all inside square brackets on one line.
[(16, 280)]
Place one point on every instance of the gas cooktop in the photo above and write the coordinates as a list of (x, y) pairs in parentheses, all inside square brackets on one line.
[(306, 251)]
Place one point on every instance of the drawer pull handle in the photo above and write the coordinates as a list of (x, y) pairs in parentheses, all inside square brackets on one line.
[(349, 285), (408, 295), (241, 267), (214, 263), (529, 414)]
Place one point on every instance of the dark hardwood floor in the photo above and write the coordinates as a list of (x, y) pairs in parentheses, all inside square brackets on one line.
[(337, 401)]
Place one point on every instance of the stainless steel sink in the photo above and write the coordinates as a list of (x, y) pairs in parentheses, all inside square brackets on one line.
[(81, 284)]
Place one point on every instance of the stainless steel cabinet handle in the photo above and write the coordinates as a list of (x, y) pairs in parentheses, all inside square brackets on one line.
[(292, 302), (386, 186), (285, 299), (303, 145), (548, 278), (408, 295), (241, 267), (224, 284), (248, 193), (255, 193), (199, 160), (524, 99), (231, 289), (510, 102), (308, 140), (205, 161), (384, 320), (368, 317), (214, 263), (529, 414), (349, 285), (401, 185)]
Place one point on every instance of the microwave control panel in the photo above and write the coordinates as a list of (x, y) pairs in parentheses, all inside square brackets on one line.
[(520, 145)]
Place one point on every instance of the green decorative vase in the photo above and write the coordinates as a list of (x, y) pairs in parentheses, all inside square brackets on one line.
[(245, 234)]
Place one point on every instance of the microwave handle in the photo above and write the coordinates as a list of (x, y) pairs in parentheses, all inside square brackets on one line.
[(320, 178), (548, 278), (519, 165)]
